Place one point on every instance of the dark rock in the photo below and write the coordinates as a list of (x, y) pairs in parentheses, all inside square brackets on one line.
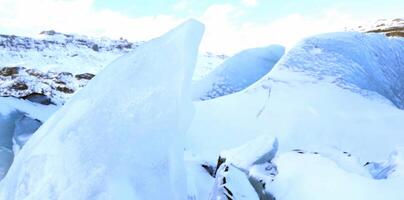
[(34, 72), (50, 32), (9, 71), (38, 98), (86, 76), (65, 89), (209, 168), (220, 161), (19, 86), (95, 47), (65, 74)]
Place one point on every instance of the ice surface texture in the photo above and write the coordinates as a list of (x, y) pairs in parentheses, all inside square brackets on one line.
[(117, 141), (238, 72)]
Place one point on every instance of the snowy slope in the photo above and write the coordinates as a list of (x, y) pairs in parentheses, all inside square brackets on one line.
[(389, 27), (76, 54), (52, 87), (338, 95), (206, 63), (61, 52), (142, 126), (309, 87), (314, 177), (56, 65), (237, 72)]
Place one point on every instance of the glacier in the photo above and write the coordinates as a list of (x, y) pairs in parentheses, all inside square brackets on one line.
[(323, 121), (237, 72), (19, 119), (370, 64), (333, 101), (117, 141)]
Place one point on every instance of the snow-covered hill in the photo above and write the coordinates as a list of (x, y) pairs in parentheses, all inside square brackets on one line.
[(46, 88), (56, 65), (61, 52), (238, 72), (389, 27), (76, 54)]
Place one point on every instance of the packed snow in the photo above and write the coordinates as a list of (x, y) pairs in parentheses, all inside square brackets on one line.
[(337, 95), (314, 177), (141, 148), (237, 72)]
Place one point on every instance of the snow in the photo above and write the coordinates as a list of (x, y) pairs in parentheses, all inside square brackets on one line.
[(112, 140), (365, 63), (206, 63), (33, 110), (382, 24), (311, 176), (236, 182), (338, 95), (58, 52), (331, 108), (252, 152), (61, 52), (238, 72), (392, 167), (297, 103)]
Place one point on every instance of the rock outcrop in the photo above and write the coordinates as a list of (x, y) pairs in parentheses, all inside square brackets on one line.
[(40, 87), (391, 28)]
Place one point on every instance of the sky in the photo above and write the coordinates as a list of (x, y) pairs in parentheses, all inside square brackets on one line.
[(231, 25)]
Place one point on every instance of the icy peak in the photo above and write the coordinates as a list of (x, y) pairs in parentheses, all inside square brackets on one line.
[(114, 142)]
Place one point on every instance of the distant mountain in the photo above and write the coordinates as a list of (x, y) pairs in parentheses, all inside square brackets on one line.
[(54, 65), (391, 28), (61, 52)]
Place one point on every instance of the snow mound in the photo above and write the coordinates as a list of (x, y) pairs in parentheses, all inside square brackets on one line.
[(324, 93), (311, 176), (330, 95), (393, 167), (262, 149), (364, 63), (114, 142), (206, 63), (238, 72)]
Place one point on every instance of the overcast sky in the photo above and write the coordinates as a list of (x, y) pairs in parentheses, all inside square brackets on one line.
[(231, 25)]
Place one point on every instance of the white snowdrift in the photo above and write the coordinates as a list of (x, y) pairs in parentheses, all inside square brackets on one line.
[(117, 141), (304, 110), (310, 176), (337, 91), (33, 110), (237, 72), (363, 63)]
